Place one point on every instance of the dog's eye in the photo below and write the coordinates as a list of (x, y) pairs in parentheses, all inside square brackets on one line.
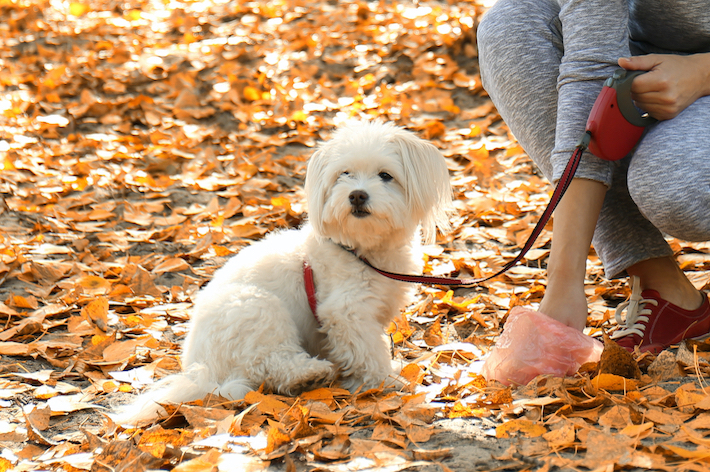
[(345, 174), (385, 176)]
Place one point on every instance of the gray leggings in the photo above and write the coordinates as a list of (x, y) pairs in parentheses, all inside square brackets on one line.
[(662, 187)]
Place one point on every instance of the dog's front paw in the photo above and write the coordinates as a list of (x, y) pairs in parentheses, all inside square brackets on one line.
[(367, 382), (319, 373)]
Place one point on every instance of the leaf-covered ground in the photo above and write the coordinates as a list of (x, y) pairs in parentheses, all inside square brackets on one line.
[(144, 142)]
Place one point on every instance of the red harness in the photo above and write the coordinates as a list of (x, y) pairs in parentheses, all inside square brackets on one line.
[(310, 288)]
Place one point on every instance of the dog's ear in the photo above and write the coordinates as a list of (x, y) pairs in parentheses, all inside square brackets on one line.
[(316, 188), (427, 183)]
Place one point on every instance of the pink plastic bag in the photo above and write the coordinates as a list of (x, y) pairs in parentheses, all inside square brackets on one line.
[(532, 343)]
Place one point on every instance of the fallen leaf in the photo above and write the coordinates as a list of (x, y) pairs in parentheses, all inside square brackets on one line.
[(614, 383), (520, 426), (96, 312)]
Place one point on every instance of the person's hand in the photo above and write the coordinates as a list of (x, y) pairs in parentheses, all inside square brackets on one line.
[(565, 302), (672, 83)]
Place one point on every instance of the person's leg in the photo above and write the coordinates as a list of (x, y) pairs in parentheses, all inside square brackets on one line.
[(623, 236), (520, 48), (669, 179)]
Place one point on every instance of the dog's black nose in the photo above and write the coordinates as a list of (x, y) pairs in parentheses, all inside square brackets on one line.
[(358, 198)]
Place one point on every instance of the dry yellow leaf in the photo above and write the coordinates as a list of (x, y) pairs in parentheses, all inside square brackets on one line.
[(562, 436), (413, 373), (266, 403), (94, 285), (614, 382), (324, 395), (520, 426), (96, 312), (173, 264), (638, 430), (687, 398), (19, 301), (699, 454), (208, 462)]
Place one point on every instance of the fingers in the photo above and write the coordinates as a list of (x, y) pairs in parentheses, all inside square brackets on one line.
[(666, 89), (653, 81), (646, 62)]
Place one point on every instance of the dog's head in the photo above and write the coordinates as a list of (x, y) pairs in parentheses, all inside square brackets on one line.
[(375, 182)]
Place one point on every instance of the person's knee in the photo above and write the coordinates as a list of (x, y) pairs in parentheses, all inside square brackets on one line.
[(494, 28), (507, 33), (675, 208), (667, 176)]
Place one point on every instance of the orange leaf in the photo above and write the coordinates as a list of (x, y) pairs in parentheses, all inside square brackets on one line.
[(563, 436), (514, 150), (5, 465), (614, 382), (173, 264), (140, 281), (23, 302), (275, 438), (205, 463), (281, 202), (459, 410), (700, 453), (418, 434), (413, 373), (221, 251), (96, 312), (638, 430), (687, 399), (101, 215), (266, 403), (7, 164), (324, 395), (388, 434), (520, 426), (462, 306), (94, 285)]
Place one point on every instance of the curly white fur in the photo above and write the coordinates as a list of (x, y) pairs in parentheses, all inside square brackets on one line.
[(371, 188)]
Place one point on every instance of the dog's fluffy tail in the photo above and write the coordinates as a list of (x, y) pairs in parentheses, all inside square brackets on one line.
[(186, 386)]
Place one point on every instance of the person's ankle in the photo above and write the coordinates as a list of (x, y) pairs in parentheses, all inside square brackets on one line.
[(665, 277), (687, 298)]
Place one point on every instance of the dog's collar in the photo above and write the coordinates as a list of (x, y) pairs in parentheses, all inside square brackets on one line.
[(349, 249)]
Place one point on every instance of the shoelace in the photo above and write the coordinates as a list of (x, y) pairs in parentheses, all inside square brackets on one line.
[(636, 312)]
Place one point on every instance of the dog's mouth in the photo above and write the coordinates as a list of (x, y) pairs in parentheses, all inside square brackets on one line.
[(360, 212)]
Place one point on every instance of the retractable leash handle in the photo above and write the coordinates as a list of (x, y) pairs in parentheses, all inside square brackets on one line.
[(613, 128), (616, 125)]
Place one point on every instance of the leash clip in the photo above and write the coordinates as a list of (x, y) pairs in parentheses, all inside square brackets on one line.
[(584, 140)]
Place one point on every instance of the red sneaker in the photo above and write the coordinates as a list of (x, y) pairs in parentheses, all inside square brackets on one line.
[(653, 324)]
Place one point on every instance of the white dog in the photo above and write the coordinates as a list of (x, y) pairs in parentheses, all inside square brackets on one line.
[(370, 190)]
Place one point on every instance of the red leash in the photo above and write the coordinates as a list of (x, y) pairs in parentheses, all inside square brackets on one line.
[(557, 195), (560, 190)]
